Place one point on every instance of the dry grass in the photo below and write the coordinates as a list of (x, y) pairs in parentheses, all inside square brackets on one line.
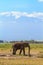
[(22, 60)]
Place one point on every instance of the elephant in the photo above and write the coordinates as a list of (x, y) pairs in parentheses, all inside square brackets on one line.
[(21, 46)]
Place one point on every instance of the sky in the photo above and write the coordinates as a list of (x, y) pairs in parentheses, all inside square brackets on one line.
[(21, 20)]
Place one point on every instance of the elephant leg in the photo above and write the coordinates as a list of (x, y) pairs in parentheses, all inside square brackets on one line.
[(23, 51), (14, 51), (29, 50), (20, 51)]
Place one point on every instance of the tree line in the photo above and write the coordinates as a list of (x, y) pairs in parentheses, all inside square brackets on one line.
[(30, 41)]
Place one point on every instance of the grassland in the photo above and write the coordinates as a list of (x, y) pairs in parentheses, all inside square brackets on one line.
[(35, 59)]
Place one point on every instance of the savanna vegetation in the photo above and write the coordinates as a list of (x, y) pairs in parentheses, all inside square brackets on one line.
[(6, 57)]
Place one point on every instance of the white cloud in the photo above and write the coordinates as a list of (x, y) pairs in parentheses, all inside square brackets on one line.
[(16, 14), (4, 13), (40, 0), (19, 14)]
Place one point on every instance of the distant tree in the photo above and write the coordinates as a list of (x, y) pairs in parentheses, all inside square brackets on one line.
[(1, 41), (12, 41)]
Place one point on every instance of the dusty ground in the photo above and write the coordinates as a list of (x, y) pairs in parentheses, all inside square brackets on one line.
[(6, 57), (8, 53), (9, 59)]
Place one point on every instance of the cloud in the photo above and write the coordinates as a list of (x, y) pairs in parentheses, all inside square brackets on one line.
[(40, 0), (19, 14), (16, 14), (4, 13)]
